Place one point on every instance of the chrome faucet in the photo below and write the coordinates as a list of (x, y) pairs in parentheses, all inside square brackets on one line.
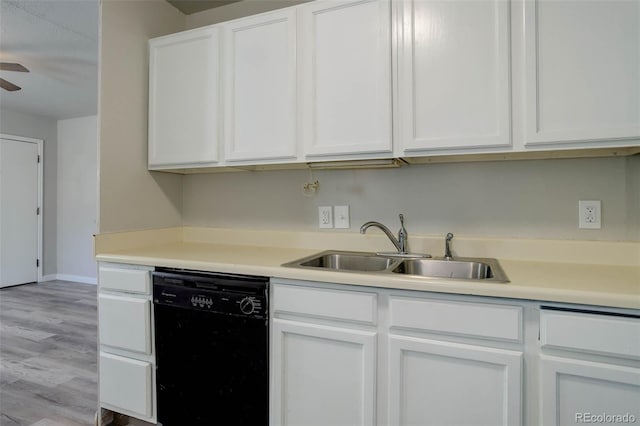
[(447, 246), (400, 242)]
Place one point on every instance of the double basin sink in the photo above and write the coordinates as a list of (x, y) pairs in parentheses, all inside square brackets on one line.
[(474, 269)]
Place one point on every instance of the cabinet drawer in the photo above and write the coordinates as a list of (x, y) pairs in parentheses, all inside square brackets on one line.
[(493, 321), (127, 280), (325, 303), (125, 322), (594, 333), (126, 384)]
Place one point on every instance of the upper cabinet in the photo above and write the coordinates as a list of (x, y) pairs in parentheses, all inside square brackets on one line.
[(184, 116), (260, 87), (346, 77), (453, 75), (582, 71), (377, 79)]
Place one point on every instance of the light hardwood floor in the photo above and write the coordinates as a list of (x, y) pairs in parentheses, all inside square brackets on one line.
[(48, 358)]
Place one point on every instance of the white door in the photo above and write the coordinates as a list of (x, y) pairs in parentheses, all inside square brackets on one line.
[(184, 114), (454, 87), (260, 87), (346, 72), (577, 392), (18, 212), (322, 375), (442, 383)]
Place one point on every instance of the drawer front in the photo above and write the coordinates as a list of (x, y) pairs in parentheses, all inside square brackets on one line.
[(126, 384), (325, 303), (492, 321), (594, 333), (125, 322), (127, 280)]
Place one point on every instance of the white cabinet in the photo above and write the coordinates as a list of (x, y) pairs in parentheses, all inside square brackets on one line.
[(348, 357), (453, 75), (441, 383), (184, 116), (323, 375), (346, 78), (260, 85), (126, 372), (323, 356), (574, 390), (589, 366), (126, 384), (435, 381), (582, 71)]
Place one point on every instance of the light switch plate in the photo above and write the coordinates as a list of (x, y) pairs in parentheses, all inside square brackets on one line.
[(341, 218)]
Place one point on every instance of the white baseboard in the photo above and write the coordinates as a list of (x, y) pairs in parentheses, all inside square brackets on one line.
[(74, 278)]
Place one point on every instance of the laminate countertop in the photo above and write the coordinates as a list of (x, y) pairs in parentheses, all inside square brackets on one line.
[(551, 281)]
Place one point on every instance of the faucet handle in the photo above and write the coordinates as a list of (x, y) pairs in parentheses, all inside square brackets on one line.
[(447, 246), (401, 216)]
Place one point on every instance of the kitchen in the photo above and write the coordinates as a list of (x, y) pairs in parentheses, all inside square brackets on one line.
[(522, 212)]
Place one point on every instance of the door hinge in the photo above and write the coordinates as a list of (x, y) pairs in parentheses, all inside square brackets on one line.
[(37, 263), (38, 158), (38, 211)]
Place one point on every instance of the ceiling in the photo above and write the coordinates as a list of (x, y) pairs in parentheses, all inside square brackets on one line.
[(57, 40), (192, 6)]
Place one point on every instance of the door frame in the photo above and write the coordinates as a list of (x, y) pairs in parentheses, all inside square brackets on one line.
[(39, 144)]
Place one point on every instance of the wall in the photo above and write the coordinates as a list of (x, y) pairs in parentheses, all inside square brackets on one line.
[(130, 197), (515, 199), (236, 10), (77, 198), (32, 126)]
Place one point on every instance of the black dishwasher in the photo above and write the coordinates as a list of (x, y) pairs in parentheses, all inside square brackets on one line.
[(211, 337)]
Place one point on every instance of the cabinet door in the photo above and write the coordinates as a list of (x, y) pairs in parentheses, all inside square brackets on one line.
[(322, 375), (260, 87), (126, 384), (575, 390), (125, 323), (582, 70), (346, 72), (183, 99), (454, 78), (440, 383)]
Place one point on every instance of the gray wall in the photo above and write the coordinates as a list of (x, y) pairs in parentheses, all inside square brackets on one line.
[(514, 199), (32, 126), (130, 197), (77, 198)]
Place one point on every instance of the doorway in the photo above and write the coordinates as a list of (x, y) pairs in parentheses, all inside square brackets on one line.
[(20, 210)]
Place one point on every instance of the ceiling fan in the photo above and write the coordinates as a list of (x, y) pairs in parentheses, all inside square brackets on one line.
[(9, 66)]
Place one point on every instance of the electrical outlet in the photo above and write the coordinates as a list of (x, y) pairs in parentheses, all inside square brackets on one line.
[(589, 214), (341, 216), (325, 216)]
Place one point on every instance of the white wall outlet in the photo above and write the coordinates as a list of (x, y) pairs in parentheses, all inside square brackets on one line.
[(341, 214), (325, 216), (589, 214)]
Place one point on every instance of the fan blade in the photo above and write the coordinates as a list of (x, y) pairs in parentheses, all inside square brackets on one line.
[(8, 86), (9, 66)]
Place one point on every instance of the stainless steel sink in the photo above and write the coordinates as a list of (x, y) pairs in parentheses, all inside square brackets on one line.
[(460, 268), (345, 261), (476, 269)]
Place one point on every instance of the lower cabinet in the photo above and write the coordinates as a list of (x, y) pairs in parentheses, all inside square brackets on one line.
[(323, 375), (589, 367), (578, 392), (126, 372), (442, 383), (126, 384)]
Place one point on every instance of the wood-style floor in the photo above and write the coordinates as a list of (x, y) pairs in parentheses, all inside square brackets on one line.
[(48, 359)]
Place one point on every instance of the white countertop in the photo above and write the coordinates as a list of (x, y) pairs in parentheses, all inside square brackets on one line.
[(582, 283)]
